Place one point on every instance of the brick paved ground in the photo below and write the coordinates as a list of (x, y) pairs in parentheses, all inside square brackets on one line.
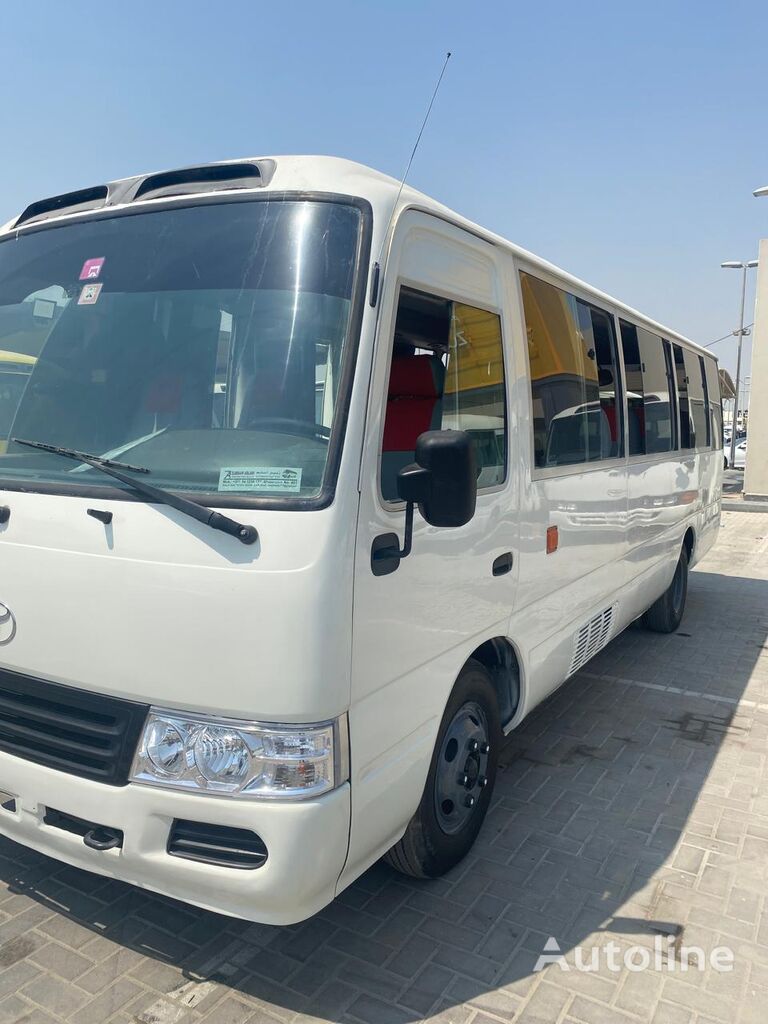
[(633, 804)]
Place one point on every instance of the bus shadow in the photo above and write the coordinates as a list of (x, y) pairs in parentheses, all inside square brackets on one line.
[(595, 791)]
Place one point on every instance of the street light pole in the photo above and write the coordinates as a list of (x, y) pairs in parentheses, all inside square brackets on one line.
[(744, 267)]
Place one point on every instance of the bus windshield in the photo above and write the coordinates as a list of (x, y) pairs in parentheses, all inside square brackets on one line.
[(207, 341)]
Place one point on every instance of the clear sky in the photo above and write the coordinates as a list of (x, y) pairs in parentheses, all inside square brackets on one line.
[(620, 140)]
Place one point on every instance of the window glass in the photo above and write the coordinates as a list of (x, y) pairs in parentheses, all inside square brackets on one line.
[(687, 431), (192, 342), (715, 400), (706, 410), (651, 422), (447, 373), (474, 388), (574, 379), (696, 397)]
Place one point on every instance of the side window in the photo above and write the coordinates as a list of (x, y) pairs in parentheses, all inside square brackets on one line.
[(687, 433), (447, 373), (633, 372), (574, 378), (697, 400), (706, 406), (650, 391), (715, 400), (608, 379)]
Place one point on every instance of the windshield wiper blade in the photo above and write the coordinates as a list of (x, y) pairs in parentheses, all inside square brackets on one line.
[(203, 514), (73, 453)]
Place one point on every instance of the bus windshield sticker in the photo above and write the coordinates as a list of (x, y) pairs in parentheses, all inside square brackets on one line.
[(92, 269), (283, 479), (89, 296)]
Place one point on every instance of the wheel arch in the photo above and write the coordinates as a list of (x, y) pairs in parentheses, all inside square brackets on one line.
[(689, 542), (500, 658)]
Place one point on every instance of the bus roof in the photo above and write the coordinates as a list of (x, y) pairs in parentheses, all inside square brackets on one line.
[(323, 174)]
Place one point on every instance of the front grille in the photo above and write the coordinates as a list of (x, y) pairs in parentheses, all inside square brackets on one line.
[(222, 845), (71, 730)]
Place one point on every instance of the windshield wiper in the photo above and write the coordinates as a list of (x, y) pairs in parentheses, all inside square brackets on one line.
[(73, 453), (203, 514)]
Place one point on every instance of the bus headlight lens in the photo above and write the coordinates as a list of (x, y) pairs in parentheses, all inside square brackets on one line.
[(239, 758), (165, 748), (221, 755)]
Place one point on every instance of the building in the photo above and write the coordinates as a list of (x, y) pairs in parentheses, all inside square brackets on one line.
[(756, 473)]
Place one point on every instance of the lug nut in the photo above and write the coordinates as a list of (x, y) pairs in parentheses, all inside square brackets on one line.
[(484, 748), (474, 746), (469, 802), (463, 780), (482, 781)]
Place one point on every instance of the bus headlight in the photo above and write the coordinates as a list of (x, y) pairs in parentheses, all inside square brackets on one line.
[(246, 759)]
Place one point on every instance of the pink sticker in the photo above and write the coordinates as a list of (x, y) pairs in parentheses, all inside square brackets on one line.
[(89, 296), (92, 269)]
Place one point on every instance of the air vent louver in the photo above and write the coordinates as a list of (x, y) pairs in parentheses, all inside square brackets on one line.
[(69, 202), (221, 845), (591, 638), (189, 180)]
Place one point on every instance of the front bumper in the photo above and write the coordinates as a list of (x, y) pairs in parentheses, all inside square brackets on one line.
[(306, 841)]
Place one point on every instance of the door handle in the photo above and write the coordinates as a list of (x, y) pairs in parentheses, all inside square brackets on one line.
[(502, 564)]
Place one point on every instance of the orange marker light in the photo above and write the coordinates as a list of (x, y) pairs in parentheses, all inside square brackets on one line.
[(552, 539)]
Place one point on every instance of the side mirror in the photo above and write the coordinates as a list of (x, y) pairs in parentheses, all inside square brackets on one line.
[(443, 479), (442, 482)]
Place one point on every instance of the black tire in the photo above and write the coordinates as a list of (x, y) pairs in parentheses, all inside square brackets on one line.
[(427, 850), (725, 460), (666, 614)]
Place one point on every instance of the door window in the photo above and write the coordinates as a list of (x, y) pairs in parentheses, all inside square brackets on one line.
[(447, 373)]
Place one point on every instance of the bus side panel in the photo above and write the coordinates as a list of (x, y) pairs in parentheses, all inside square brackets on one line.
[(663, 497)]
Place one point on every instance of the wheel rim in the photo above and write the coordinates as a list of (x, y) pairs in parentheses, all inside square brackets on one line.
[(677, 587), (462, 768)]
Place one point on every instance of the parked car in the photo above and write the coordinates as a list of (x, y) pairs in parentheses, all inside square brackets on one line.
[(740, 459)]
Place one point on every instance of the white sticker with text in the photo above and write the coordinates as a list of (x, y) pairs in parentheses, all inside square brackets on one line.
[(282, 479)]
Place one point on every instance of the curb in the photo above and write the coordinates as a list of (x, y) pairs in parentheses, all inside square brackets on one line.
[(744, 506)]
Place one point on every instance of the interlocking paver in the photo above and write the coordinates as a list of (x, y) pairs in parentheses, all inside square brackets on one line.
[(633, 804)]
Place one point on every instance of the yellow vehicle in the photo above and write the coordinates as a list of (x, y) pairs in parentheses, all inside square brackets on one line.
[(15, 368)]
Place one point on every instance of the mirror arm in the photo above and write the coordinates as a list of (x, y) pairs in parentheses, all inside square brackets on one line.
[(408, 535)]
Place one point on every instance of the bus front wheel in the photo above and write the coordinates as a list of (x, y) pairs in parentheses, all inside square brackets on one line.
[(460, 780)]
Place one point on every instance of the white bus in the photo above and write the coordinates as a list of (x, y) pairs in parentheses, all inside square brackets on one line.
[(265, 618)]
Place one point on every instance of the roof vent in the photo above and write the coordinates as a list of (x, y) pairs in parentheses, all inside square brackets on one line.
[(69, 202), (211, 178)]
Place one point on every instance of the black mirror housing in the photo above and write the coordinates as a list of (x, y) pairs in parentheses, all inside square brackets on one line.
[(443, 479)]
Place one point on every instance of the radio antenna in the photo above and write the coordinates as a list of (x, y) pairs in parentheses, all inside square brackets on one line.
[(405, 175)]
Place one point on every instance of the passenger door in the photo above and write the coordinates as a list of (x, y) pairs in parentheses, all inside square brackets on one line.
[(440, 362)]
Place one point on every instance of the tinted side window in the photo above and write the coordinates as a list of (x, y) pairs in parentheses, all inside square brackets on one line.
[(608, 379), (574, 379), (650, 391), (687, 433), (705, 388), (715, 400), (697, 400), (633, 372)]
